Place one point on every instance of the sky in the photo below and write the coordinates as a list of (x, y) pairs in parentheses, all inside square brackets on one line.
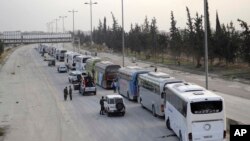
[(33, 15)]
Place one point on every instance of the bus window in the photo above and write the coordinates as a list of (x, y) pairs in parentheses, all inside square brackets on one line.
[(206, 107)]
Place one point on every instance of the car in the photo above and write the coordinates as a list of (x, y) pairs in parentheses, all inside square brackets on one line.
[(75, 76), (114, 104), (87, 86), (62, 68), (51, 62)]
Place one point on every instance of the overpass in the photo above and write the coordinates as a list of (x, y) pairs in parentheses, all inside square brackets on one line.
[(17, 37)]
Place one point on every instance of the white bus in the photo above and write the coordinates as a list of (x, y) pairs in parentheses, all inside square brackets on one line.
[(194, 113), (128, 81), (72, 60), (81, 62), (151, 91), (66, 58)]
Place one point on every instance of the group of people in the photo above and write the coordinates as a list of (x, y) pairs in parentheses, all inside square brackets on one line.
[(67, 92)]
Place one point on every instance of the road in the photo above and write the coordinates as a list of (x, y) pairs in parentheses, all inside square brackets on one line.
[(32, 107)]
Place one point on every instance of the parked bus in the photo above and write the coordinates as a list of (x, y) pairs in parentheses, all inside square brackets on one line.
[(151, 91), (194, 113), (72, 60), (128, 81), (90, 66), (106, 72), (61, 54), (81, 62), (66, 58)]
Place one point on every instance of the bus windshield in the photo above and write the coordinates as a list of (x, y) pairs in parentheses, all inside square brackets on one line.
[(206, 107)]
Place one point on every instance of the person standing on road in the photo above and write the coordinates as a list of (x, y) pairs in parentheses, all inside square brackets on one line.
[(114, 85), (70, 93), (102, 106), (65, 91)]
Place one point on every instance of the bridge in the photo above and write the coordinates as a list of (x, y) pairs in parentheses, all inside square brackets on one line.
[(17, 37)]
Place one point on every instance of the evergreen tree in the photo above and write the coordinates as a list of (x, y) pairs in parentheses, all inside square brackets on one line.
[(199, 40), (189, 36), (175, 39)]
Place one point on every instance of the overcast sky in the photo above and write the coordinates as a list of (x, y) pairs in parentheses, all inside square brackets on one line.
[(32, 15)]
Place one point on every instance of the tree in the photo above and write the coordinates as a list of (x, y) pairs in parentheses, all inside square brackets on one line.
[(153, 34), (199, 38), (232, 44), (175, 39), (219, 39), (189, 38)]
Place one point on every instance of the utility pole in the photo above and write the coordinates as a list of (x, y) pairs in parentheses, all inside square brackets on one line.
[(90, 5), (73, 13), (123, 44), (73, 30), (206, 47)]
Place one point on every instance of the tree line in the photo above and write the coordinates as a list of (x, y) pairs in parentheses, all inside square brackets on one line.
[(225, 44)]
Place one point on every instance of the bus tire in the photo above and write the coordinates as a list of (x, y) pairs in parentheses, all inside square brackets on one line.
[(128, 96), (153, 111), (168, 124)]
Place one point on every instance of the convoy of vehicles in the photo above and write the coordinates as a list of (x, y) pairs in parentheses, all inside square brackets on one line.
[(191, 111), (128, 81)]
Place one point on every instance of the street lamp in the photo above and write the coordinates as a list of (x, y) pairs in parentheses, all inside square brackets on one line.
[(122, 36), (56, 24), (62, 17), (73, 12), (90, 5), (206, 48)]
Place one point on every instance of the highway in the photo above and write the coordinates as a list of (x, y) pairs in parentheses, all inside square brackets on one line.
[(32, 107)]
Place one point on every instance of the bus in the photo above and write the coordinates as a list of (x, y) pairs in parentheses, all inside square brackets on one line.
[(81, 62), (72, 60), (194, 113), (151, 87), (66, 58), (90, 66), (106, 72), (128, 81)]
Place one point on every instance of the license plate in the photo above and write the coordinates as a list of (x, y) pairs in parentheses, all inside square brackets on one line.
[(208, 136)]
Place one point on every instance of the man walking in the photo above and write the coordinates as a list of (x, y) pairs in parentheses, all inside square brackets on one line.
[(102, 106), (70, 93), (65, 91)]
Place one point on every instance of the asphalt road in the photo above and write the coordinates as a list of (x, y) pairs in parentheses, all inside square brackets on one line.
[(32, 108)]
